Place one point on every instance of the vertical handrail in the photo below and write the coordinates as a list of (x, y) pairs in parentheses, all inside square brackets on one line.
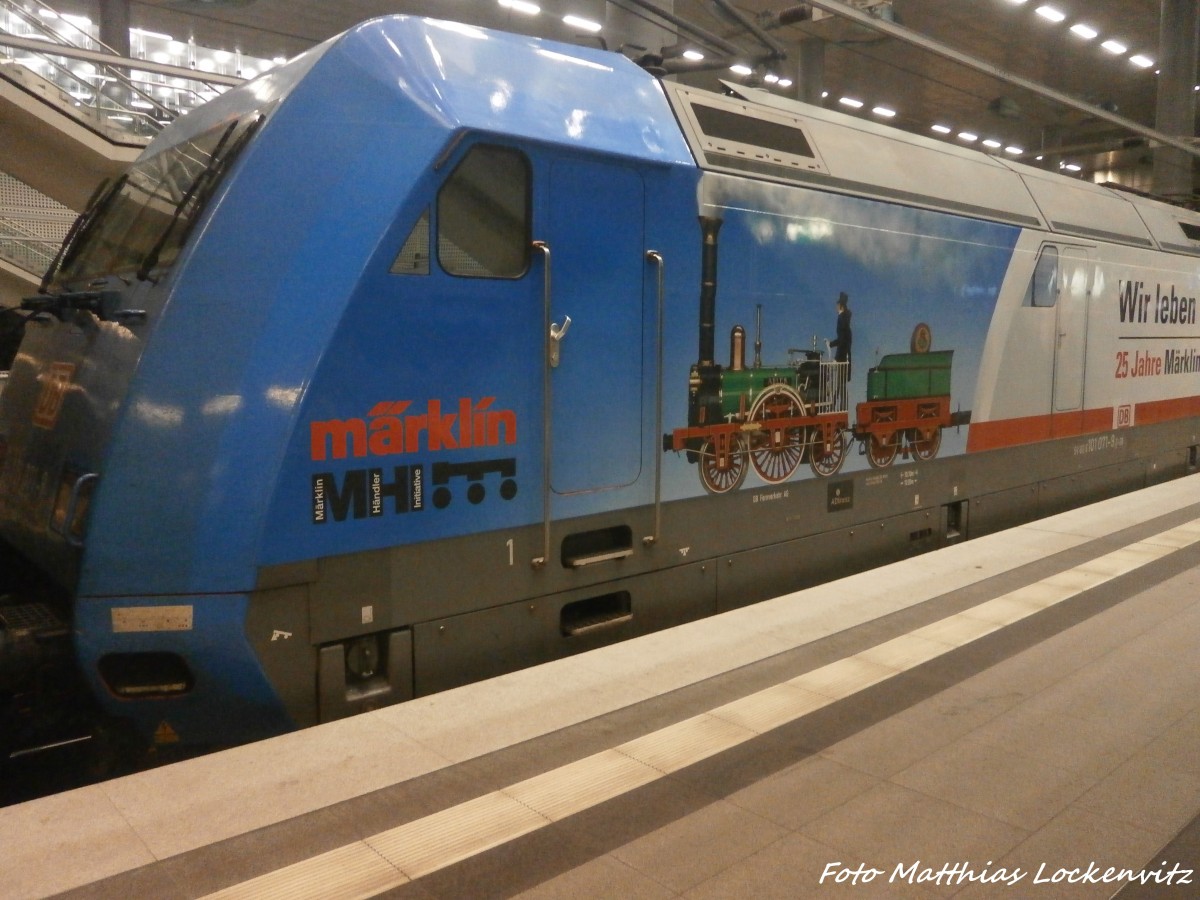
[(544, 249), (653, 256), (73, 509)]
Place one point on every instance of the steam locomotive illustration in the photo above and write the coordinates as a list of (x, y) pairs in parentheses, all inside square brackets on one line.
[(772, 418), (339, 396)]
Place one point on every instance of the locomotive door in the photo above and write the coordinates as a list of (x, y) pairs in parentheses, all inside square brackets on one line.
[(593, 233), (1071, 316)]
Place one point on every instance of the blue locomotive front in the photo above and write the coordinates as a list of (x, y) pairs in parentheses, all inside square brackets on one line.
[(311, 328)]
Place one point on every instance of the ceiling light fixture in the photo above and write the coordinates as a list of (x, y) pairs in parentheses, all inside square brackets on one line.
[(1050, 13), (1142, 62), (993, 144), (151, 34), (968, 137), (884, 111), (942, 129), (693, 55), (584, 24), (1115, 47), (740, 69), (851, 102), (1015, 151), (522, 6), (1087, 32)]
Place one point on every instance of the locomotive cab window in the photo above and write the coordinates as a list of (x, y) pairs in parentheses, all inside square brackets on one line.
[(1043, 286), (413, 258), (143, 220), (483, 226)]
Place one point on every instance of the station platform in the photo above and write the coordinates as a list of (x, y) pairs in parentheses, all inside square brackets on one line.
[(1014, 716)]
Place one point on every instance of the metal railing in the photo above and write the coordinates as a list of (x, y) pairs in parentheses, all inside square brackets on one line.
[(52, 56), (832, 393), (26, 251), (32, 226), (127, 100)]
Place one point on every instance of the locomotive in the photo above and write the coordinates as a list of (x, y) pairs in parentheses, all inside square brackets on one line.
[(338, 396)]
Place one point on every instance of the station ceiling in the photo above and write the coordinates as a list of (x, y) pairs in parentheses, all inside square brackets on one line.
[(923, 89)]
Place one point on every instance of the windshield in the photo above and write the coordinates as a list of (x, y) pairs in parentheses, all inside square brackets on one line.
[(144, 220)]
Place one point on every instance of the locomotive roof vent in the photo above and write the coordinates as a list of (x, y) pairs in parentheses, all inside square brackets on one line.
[(759, 134), (1169, 225), (734, 134)]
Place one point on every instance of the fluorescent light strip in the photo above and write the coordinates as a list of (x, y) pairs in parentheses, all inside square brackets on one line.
[(1050, 13), (884, 111), (851, 102), (585, 24), (1115, 47), (1142, 62), (151, 34), (1087, 32), (522, 6)]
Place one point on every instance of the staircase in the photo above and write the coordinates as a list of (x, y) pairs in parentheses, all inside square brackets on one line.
[(73, 113)]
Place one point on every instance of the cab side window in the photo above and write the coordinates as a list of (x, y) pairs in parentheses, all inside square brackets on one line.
[(413, 258), (483, 228), (1043, 287)]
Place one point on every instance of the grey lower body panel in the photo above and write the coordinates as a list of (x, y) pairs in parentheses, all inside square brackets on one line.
[(455, 611)]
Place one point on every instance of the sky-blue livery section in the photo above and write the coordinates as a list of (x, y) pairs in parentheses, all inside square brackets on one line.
[(354, 129)]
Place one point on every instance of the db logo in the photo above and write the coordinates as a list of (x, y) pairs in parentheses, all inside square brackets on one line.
[(1123, 416), (55, 383)]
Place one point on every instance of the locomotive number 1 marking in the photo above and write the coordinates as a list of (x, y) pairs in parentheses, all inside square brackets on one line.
[(509, 544)]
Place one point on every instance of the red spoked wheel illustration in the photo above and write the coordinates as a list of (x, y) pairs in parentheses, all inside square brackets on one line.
[(723, 462), (778, 448), (827, 448)]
